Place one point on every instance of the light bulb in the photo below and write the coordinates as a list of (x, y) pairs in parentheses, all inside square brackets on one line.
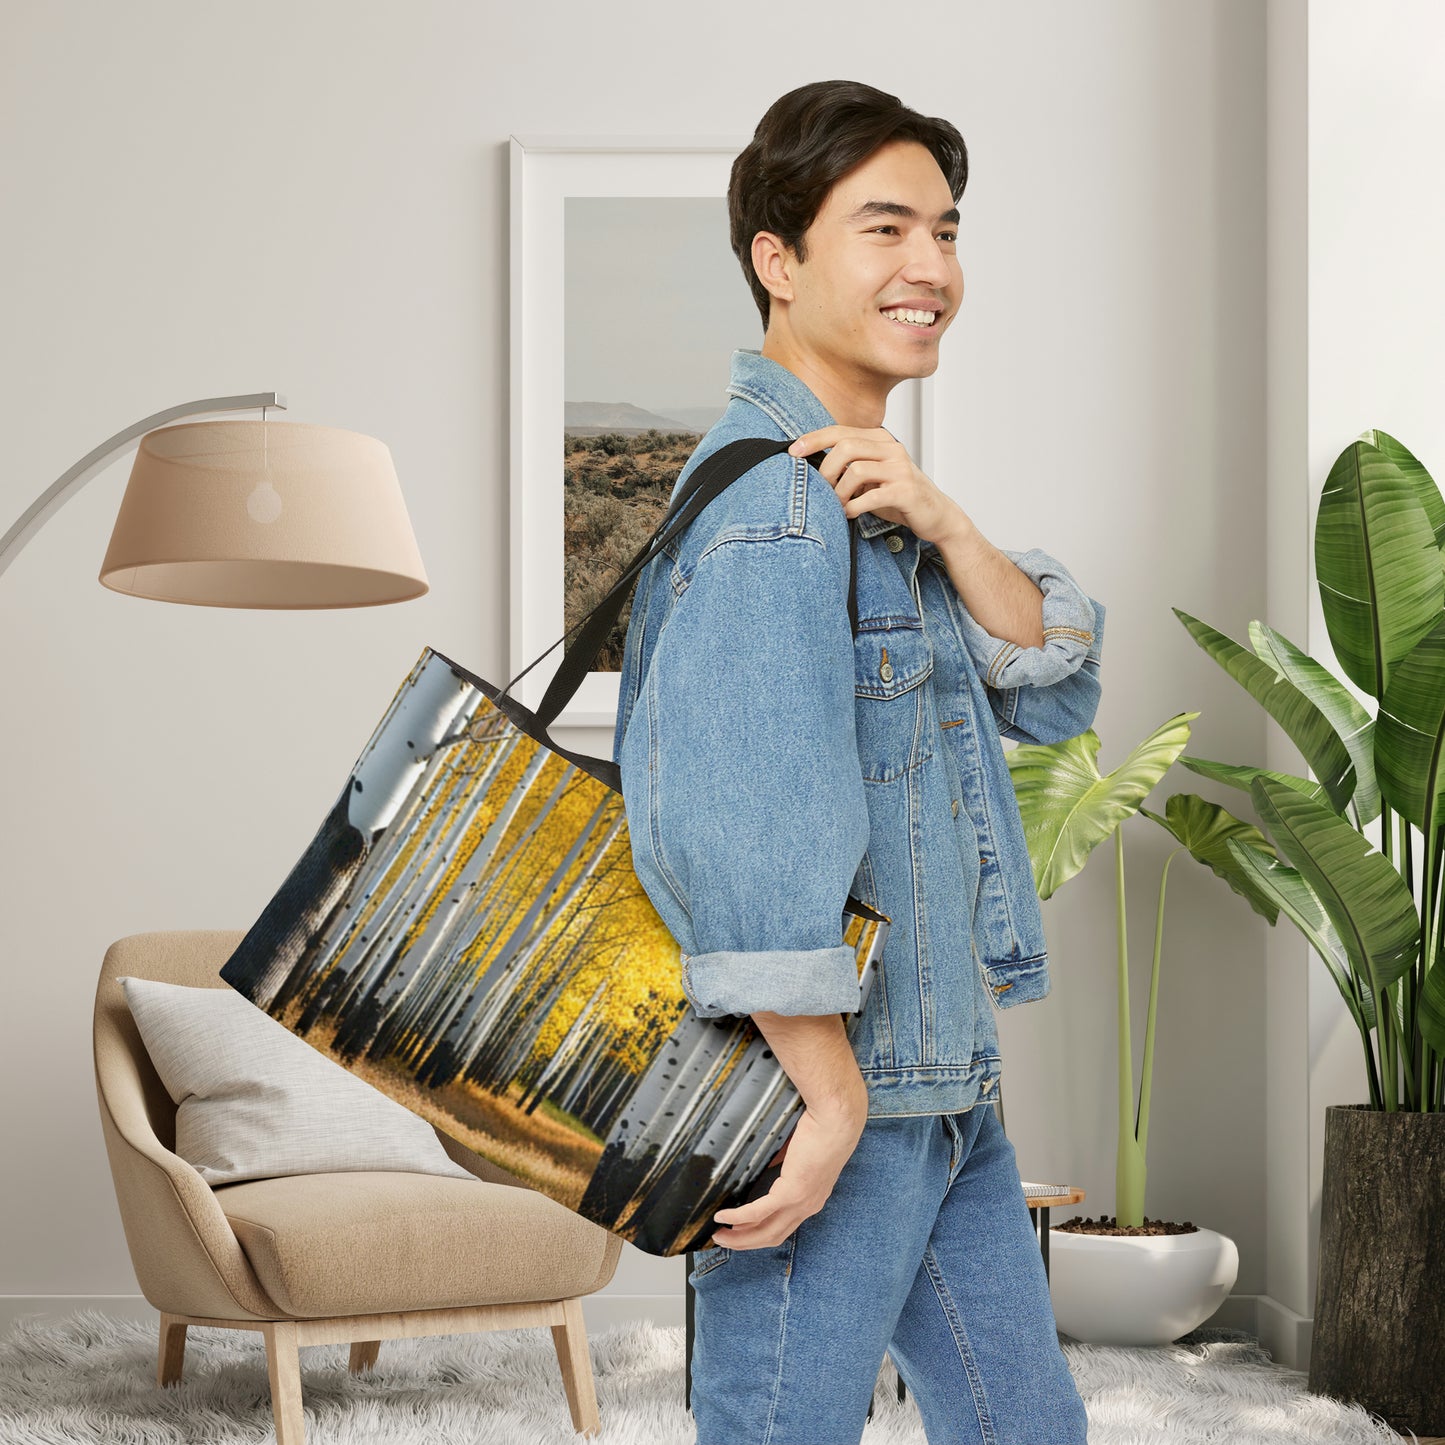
[(264, 504)]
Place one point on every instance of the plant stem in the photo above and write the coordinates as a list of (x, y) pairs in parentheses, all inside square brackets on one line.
[(1407, 979), (1126, 1055), (1429, 866), (1434, 927), (1146, 1077), (1371, 1073), (1130, 1171), (1385, 997)]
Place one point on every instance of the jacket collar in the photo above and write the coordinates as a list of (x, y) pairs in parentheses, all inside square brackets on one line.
[(790, 402)]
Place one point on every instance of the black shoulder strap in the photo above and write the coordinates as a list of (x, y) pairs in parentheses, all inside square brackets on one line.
[(711, 477)]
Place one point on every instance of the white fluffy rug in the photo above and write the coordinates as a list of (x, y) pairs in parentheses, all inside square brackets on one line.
[(88, 1377)]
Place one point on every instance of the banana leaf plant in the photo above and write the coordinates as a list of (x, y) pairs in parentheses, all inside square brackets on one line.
[(1068, 808), (1375, 919), (1371, 914)]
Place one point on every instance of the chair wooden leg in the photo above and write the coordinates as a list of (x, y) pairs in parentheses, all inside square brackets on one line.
[(172, 1357), (570, 1341), (363, 1355), (283, 1365)]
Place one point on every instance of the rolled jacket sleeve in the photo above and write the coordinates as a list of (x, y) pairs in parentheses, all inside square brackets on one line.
[(1041, 694), (747, 808)]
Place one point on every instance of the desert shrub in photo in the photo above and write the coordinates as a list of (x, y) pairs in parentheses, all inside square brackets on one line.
[(617, 488)]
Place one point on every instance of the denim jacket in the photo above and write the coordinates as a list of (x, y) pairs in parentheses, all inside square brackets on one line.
[(771, 764)]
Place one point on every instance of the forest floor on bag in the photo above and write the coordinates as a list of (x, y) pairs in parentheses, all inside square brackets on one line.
[(500, 1127)]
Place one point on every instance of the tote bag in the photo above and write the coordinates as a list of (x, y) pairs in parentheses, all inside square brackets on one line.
[(466, 933)]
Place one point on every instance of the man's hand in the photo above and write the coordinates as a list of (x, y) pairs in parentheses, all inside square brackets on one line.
[(813, 1157), (869, 465), (871, 471)]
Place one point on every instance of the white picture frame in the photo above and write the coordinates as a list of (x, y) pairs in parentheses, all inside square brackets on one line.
[(544, 171)]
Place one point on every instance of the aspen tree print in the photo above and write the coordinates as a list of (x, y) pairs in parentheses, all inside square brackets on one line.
[(466, 933)]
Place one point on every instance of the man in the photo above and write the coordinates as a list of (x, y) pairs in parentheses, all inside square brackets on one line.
[(773, 763)]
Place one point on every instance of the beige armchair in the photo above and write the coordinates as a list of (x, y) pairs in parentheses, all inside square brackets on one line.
[(314, 1259)]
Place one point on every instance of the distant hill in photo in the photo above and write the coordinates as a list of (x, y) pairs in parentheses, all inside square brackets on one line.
[(587, 418), (698, 418)]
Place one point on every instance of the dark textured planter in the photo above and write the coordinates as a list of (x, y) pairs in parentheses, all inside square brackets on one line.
[(1379, 1331)]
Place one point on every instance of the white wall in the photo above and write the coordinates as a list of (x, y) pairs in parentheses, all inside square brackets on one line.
[(312, 198)]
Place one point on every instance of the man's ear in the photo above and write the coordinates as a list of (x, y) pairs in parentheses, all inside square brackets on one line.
[(774, 265)]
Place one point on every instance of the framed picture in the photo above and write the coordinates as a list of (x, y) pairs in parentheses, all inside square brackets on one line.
[(626, 306)]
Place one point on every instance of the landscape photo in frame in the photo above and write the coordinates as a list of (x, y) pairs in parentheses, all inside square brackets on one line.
[(656, 303)]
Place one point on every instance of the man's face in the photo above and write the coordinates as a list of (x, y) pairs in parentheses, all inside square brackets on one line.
[(863, 262)]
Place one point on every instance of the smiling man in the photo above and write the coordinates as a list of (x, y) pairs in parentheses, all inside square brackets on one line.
[(776, 756)]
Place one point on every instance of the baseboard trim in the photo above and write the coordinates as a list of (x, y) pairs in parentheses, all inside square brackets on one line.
[(1286, 1335)]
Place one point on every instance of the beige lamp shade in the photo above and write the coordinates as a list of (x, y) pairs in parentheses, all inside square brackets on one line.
[(244, 513)]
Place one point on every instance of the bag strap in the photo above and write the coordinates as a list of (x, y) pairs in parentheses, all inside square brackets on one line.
[(712, 477)]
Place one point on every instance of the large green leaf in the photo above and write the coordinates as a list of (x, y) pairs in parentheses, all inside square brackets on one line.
[(1299, 902), (1308, 728), (1366, 899), (1352, 724), (1410, 731), (1068, 808), (1427, 493), (1378, 565), (1241, 775), (1205, 829)]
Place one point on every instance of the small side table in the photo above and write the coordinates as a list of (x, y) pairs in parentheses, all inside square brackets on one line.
[(1040, 1199)]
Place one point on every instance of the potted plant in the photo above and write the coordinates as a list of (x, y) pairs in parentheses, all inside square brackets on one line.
[(1371, 909), (1379, 1326), (1127, 1279)]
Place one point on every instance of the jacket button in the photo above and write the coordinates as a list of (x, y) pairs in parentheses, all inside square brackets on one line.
[(987, 1085), (885, 671), (955, 807), (895, 542)]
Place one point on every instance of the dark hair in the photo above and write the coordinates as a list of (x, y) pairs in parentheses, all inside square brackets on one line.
[(808, 139)]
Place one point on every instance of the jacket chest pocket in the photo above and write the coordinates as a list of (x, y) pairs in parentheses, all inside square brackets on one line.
[(890, 668)]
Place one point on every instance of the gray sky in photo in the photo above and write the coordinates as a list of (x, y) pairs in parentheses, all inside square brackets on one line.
[(655, 301)]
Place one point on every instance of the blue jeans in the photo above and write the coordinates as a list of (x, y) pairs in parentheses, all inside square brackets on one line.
[(925, 1251)]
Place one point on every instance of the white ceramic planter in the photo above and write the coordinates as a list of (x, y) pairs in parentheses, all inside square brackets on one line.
[(1143, 1289)]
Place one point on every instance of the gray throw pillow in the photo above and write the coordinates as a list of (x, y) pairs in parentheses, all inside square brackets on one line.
[(254, 1101)]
